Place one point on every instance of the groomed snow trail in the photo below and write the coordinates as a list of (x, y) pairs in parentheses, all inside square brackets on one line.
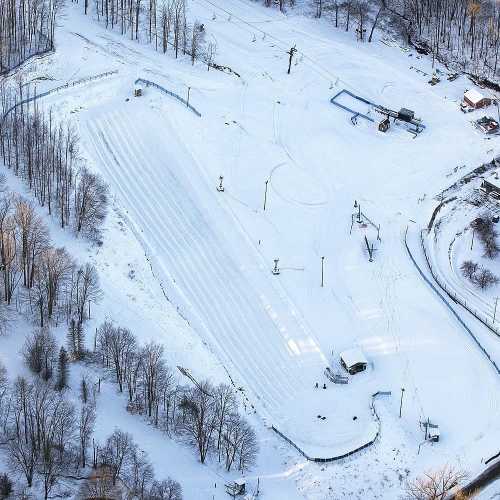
[(240, 315)]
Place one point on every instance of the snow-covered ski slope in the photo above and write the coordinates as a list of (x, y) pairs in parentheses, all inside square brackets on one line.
[(213, 252)]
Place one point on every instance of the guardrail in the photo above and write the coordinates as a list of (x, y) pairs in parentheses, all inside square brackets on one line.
[(170, 93), (344, 455), (440, 295)]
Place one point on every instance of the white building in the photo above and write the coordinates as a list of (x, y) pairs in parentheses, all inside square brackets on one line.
[(353, 360)]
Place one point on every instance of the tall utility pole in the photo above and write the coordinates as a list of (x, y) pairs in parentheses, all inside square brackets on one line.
[(322, 271), (495, 312), (472, 242), (189, 91), (265, 195), (401, 402), (291, 53)]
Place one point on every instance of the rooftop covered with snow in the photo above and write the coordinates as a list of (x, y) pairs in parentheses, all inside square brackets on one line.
[(494, 179), (352, 357), (473, 96)]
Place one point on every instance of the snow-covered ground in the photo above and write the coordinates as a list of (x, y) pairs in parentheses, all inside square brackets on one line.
[(202, 259)]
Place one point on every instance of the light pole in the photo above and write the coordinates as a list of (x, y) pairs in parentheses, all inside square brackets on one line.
[(265, 195), (401, 402), (291, 53), (495, 312), (322, 271), (189, 91), (472, 242), (276, 269)]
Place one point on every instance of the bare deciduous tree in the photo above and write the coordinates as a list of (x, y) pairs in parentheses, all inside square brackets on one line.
[(85, 430), (91, 202), (469, 269), (201, 421), (117, 451), (39, 352), (167, 489), (435, 485)]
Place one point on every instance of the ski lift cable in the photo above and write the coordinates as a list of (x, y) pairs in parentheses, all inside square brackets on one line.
[(320, 69)]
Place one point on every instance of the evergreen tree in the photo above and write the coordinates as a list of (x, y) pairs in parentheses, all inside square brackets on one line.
[(79, 341), (62, 370), (5, 486), (76, 340), (84, 392), (72, 339)]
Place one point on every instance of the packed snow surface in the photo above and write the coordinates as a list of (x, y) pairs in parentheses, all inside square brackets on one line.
[(212, 252)]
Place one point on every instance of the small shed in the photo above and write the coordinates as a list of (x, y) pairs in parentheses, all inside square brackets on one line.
[(406, 115), (431, 431), (473, 99), (137, 91), (384, 125), (236, 487), (353, 360)]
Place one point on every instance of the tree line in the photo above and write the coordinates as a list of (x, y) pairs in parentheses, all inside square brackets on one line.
[(26, 28), (204, 415), (49, 438), (464, 34), (45, 154), (163, 25), (41, 280)]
